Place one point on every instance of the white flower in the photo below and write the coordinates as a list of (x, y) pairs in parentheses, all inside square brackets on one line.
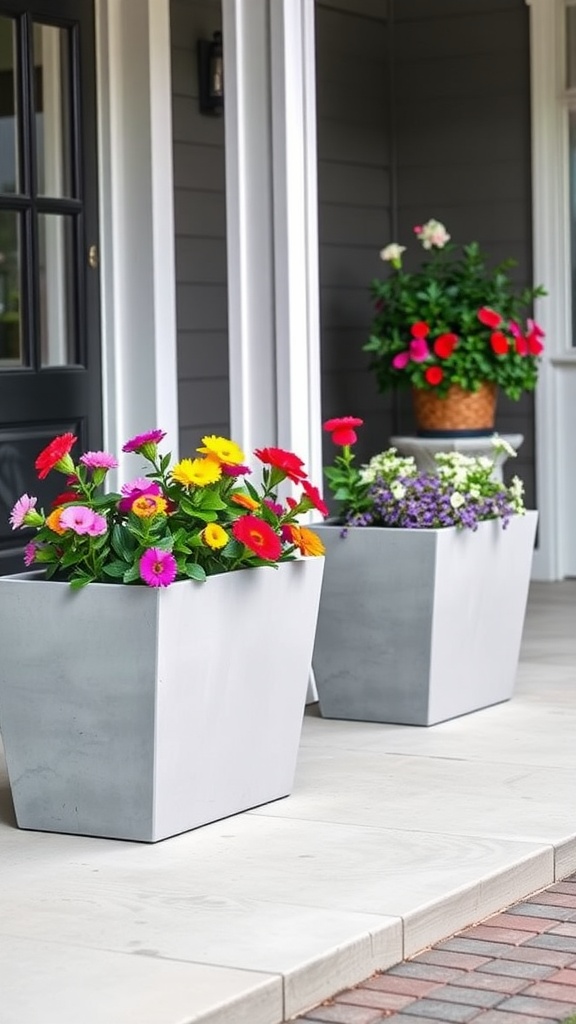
[(457, 500), (433, 234), (484, 462), (392, 253), (398, 490), (503, 447)]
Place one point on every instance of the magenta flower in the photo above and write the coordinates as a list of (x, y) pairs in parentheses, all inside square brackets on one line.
[(99, 460), (142, 441), (419, 351), (78, 518), (24, 505), (274, 507), (142, 487), (29, 553), (401, 360), (158, 568), (230, 470)]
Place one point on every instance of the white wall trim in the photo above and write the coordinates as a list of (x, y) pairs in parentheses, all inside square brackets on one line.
[(551, 267), (138, 292), (272, 231)]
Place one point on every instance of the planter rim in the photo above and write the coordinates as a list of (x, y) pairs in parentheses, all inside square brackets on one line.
[(39, 576), (338, 524)]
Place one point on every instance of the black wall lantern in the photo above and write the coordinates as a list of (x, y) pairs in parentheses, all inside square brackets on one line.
[(211, 75)]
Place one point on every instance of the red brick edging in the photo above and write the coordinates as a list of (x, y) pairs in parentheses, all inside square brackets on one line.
[(518, 967)]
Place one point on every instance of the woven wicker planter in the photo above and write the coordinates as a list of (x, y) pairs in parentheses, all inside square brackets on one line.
[(458, 412)]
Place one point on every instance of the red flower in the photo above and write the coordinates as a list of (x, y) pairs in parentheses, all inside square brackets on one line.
[(54, 453), (342, 429), (420, 330), (499, 343), (258, 537), (315, 497), (433, 375), (521, 345), (489, 317), (287, 462), (65, 498), (445, 345), (534, 345)]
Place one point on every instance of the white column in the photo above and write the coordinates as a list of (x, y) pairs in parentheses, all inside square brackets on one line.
[(137, 220), (249, 220), (551, 263), (296, 230), (270, 111)]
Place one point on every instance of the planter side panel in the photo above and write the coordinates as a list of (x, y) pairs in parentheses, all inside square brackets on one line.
[(480, 601), (77, 705), (373, 642), (234, 660)]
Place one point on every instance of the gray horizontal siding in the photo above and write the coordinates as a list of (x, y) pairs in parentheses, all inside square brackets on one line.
[(442, 129), (200, 242)]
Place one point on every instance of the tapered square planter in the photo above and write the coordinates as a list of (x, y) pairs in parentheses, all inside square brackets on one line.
[(419, 626), (139, 713)]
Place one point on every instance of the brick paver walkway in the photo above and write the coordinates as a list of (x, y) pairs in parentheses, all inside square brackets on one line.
[(518, 967)]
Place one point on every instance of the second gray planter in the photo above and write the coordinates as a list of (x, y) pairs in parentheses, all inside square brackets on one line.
[(419, 626)]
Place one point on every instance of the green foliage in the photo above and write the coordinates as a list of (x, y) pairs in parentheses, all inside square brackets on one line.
[(445, 296)]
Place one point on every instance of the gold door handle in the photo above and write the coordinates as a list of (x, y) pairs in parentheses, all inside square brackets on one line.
[(93, 259)]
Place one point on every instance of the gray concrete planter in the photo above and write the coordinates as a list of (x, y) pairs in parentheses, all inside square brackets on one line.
[(135, 713), (419, 626)]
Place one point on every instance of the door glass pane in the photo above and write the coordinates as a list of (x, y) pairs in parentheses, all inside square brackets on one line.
[(57, 290), (10, 263), (52, 110), (9, 176)]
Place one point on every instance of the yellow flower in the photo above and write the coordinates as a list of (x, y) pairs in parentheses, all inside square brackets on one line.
[(214, 536), (53, 522), (223, 450), (196, 472), (245, 501), (148, 505), (307, 541)]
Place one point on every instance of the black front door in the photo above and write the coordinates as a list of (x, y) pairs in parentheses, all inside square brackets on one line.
[(50, 380)]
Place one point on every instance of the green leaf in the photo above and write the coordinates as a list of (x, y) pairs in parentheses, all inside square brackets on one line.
[(115, 569), (195, 572), (211, 501), (132, 574), (122, 542)]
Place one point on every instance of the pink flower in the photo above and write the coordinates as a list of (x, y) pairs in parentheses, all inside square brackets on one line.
[(139, 484), (23, 505), (138, 489), (98, 525), (158, 568), (99, 460), (534, 328), (144, 441), (419, 351), (78, 518), (230, 470), (29, 553), (401, 360)]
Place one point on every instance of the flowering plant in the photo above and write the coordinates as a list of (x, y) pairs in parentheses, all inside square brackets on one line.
[(390, 490), (198, 518), (454, 322)]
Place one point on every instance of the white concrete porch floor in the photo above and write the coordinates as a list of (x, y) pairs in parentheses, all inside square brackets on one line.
[(394, 838)]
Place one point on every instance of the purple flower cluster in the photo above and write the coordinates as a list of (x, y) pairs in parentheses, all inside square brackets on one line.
[(426, 502)]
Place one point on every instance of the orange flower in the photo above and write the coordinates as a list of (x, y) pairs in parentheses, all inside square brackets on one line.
[(53, 522), (245, 501), (148, 505), (307, 541)]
